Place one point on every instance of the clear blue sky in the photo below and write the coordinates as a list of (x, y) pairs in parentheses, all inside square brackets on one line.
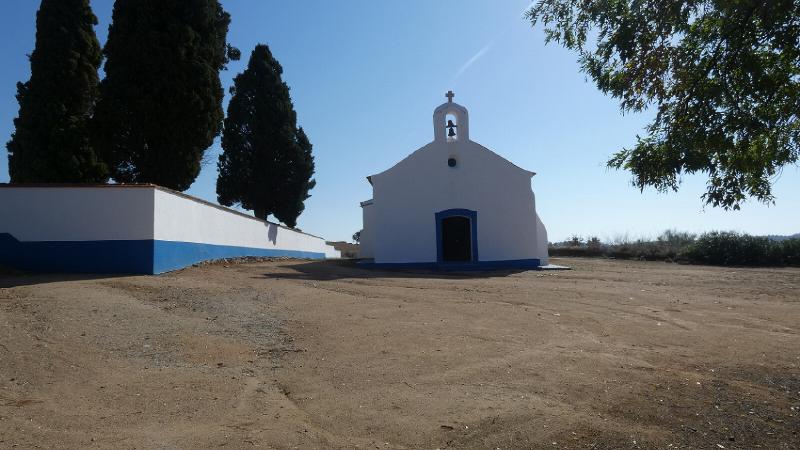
[(366, 76)]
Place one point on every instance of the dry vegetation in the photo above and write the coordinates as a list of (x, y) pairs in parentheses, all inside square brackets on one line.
[(291, 354)]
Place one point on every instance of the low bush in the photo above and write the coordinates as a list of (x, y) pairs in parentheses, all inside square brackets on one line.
[(666, 247), (735, 249), (714, 248), (790, 250)]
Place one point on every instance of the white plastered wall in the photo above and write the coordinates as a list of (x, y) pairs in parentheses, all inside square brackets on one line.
[(77, 213), (365, 243), (182, 219), (138, 213)]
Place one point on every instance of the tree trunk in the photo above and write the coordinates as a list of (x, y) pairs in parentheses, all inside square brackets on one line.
[(261, 213)]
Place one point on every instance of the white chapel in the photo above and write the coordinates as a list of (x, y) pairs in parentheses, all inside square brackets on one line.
[(453, 203)]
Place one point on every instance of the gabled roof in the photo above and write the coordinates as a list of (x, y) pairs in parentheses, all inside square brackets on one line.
[(425, 147)]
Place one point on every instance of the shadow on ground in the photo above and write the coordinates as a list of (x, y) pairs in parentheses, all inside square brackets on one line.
[(302, 270), (10, 278), (348, 268)]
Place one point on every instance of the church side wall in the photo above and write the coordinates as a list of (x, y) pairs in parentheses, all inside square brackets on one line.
[(542, 244), (365, 250)]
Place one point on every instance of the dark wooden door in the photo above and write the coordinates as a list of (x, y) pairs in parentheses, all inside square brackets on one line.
[(456, 239)]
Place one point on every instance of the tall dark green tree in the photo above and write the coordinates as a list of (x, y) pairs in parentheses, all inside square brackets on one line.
[(51, 142), (298, 181), (723, 78), (160, 103), (266, 165)]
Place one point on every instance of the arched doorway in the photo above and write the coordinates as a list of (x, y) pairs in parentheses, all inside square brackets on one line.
[(456, 236)]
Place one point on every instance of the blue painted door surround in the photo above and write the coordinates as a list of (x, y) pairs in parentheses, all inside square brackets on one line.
[(473, 221)]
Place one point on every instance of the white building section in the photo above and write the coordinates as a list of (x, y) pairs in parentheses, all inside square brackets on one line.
[(453, 202), (133, 229)]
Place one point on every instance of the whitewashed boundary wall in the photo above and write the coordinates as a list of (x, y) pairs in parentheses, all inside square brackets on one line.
[(133, 229)]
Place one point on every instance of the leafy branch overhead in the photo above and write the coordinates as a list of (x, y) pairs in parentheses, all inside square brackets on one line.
[(722, 77)]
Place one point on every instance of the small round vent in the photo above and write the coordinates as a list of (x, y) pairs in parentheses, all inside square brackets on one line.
[(451, 162)]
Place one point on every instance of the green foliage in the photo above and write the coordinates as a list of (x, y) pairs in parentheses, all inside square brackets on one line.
[(267, 162), (161, 101), (51, 143), (790, 252), (667, 247), (734, 249), (723, 77), (715, 248), (299, 165), (574, 240), (593, 243), (357, 236), (676, 240)]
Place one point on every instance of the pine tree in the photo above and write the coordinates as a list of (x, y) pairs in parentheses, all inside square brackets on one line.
[(266, 165), (160, 104), (51, 143)]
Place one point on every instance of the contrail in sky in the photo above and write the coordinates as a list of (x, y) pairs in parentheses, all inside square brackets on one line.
[(473, 60), (485, 49)]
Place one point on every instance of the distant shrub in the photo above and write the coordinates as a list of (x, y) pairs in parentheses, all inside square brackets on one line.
[(640, 249), (623, 248), (569, 250), (790, 250), (574, 241), (735, 249), (715, 248), (676, 240)]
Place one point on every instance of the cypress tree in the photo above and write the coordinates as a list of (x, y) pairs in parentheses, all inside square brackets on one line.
[(266, 165), (50, 143), (298, 181), (160, 103)]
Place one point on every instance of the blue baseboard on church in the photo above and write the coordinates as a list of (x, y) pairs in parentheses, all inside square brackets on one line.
[(530, 264), (123, 256)]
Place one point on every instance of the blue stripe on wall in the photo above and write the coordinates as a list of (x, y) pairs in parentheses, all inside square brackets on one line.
[(135, 256), (171, 255), (122, 256)]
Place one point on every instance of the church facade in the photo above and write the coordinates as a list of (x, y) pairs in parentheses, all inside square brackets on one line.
[(453, 203)]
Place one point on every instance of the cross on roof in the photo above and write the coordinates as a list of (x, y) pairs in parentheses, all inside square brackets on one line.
[(450, 96)]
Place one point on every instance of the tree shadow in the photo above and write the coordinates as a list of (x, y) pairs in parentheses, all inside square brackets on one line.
[(10, 278), (272, 232), (333, 269)]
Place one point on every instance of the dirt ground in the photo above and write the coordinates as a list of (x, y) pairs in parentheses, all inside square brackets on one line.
[(298, 354)]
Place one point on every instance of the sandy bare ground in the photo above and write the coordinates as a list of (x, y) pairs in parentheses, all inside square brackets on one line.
[(295, 354)]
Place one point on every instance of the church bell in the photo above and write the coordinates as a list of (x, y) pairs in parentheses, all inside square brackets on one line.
[(451, 127)]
